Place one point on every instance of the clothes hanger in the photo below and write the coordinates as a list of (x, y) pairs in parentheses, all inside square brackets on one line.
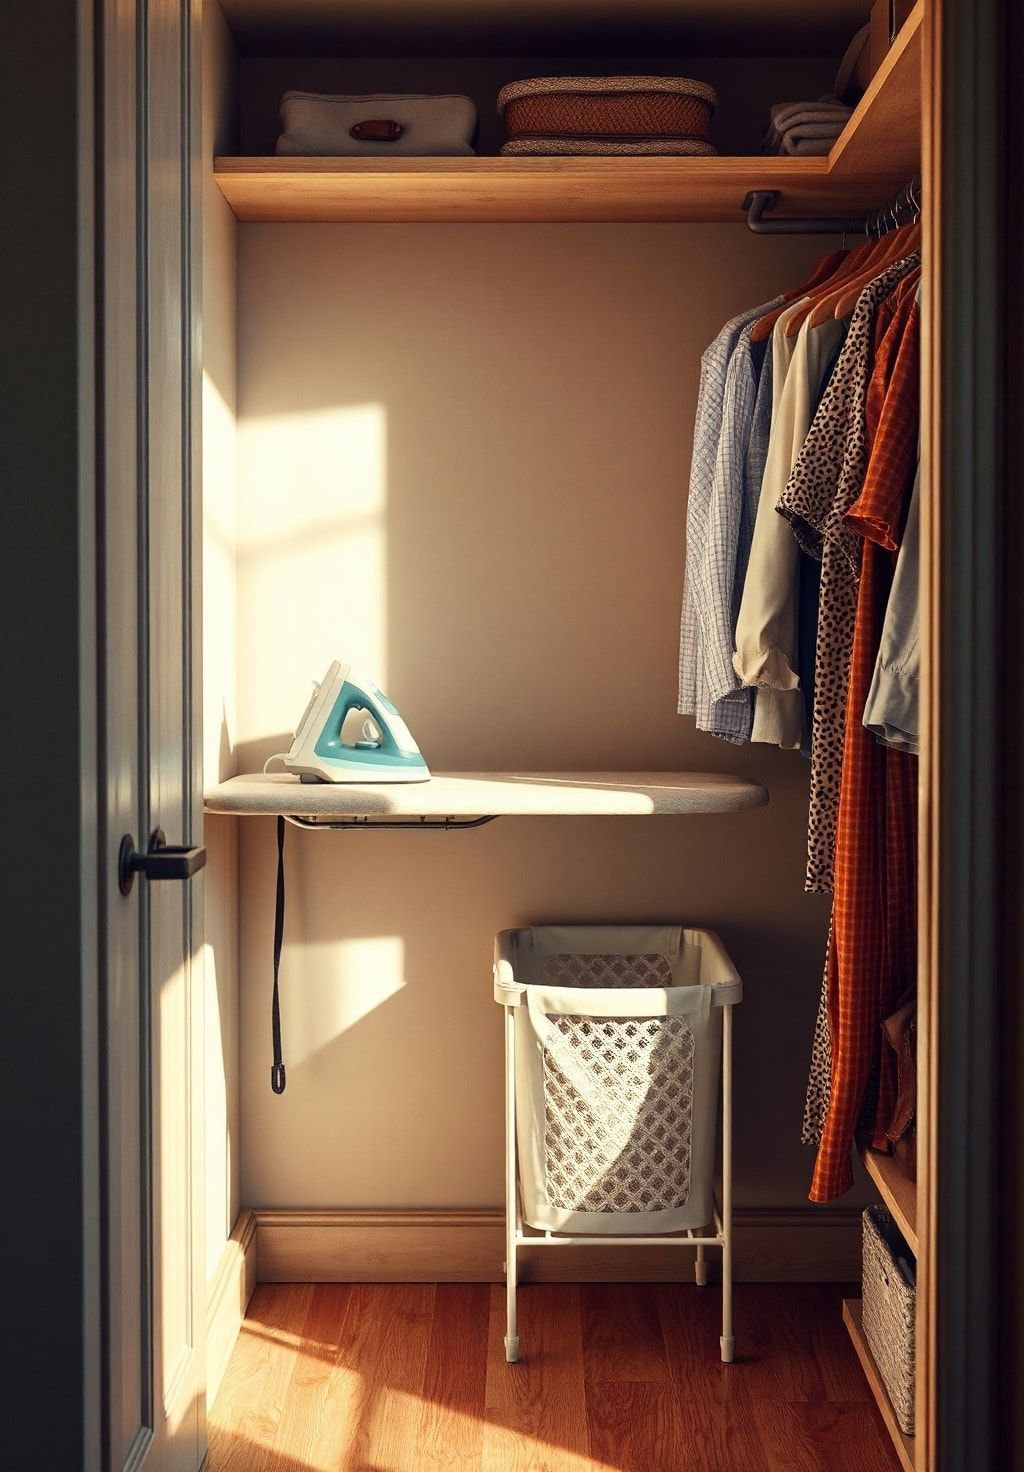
[(894, 245), (858, 260), (901, 242), (826, 270), (871, 259)]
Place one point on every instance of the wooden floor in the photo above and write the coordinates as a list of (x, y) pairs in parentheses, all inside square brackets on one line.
[(412, 1377)]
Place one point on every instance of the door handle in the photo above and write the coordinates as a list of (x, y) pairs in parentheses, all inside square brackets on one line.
[(161, 860)]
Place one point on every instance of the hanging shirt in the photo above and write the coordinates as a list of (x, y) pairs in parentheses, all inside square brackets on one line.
[(766, 630), (872, 950), (712, 532), (824, 484), (723, 709), (892, 709)]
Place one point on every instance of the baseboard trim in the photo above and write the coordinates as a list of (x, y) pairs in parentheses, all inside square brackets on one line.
[(809, 1246), (228, 1296)]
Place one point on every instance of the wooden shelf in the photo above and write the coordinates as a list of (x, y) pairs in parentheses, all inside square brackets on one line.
[(904, 1444), (884, 134), (897, 1190), (475, 794), (474, 190), (877, 152)]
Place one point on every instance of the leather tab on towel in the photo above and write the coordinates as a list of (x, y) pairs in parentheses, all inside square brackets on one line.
[(377, 130)]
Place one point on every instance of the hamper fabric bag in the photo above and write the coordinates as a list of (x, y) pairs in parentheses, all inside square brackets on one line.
[(889, 1308), (377, 124), (618, 1045), (607, 115)]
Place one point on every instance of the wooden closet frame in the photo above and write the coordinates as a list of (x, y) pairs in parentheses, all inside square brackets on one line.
[(972, 812)]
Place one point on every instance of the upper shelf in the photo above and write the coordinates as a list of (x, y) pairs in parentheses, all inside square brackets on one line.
[(473, 794), (878, 151)]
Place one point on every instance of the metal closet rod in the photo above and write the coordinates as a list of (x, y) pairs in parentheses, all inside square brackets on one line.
[(760, 202)]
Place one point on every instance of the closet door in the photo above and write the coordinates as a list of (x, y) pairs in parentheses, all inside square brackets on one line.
[(155, 1274)]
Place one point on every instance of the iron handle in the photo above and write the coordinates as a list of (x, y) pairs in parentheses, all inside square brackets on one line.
[(161, 860)]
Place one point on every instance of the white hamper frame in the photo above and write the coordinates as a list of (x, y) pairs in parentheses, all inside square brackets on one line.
[(509, 991)]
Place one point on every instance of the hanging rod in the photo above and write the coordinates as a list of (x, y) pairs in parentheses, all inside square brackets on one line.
[(417, 824), (760, 202)]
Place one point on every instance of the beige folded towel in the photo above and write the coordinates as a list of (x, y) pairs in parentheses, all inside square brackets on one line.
[(804, 128)]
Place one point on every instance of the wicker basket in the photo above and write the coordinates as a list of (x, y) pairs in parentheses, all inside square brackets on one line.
[(889, 1308), (607, 114)]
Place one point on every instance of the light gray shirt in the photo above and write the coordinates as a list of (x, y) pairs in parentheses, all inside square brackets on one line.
[(717, 531)]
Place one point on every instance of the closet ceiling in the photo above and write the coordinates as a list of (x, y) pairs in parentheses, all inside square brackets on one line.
[(545, 27)]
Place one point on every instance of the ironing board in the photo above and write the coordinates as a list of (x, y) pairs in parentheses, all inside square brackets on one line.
[(461, 800), (472, 794)]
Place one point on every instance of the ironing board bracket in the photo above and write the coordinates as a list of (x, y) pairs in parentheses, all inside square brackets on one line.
[(760, 202), (417, 824)]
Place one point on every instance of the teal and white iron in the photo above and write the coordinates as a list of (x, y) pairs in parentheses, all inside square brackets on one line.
[(384, 751)]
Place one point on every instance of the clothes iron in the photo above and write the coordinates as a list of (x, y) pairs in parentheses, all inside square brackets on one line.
[(384, 752)]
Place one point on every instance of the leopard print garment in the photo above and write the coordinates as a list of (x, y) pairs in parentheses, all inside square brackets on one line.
[(823, 485)]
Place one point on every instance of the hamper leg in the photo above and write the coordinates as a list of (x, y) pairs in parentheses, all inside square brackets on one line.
[(727, 1336), (700, 1268), (511, 1245)]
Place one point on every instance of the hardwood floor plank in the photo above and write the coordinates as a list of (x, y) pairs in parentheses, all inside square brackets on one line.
[(307, 1407), (641, 1426), (451, 1429), (840, 1369), (377, 1384), (536, 1409), (622, 1338), (774, 1343), (809, 1436), (716, 1403), (244, 1420)]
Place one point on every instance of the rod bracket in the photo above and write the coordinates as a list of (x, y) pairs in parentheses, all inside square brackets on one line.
[(760, 202)]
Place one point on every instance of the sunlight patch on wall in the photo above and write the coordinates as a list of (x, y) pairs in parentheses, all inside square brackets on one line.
[(312, 556), (340, 982)]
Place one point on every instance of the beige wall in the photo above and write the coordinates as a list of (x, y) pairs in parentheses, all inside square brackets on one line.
[(220, 285), (463, 459)]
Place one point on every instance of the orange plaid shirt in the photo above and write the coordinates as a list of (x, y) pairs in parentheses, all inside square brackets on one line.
[(872, 944)]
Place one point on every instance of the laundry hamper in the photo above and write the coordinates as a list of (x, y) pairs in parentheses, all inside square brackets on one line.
[(615, 1040)]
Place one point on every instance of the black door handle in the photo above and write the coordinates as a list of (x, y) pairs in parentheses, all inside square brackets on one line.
[(161, 861)]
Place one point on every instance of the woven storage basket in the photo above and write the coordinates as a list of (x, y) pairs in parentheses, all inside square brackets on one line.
[(607, 114), (617, 1065), (889, 1308)]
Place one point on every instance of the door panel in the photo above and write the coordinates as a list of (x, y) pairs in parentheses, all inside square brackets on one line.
[(154, 1271), (174, 997), (128, 1346)]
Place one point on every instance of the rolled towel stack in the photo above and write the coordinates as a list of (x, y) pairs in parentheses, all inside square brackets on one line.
[(806, 128)]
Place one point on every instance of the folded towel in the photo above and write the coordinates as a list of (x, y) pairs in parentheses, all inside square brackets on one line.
[(805, 127), (806, 147), (785, 114)]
